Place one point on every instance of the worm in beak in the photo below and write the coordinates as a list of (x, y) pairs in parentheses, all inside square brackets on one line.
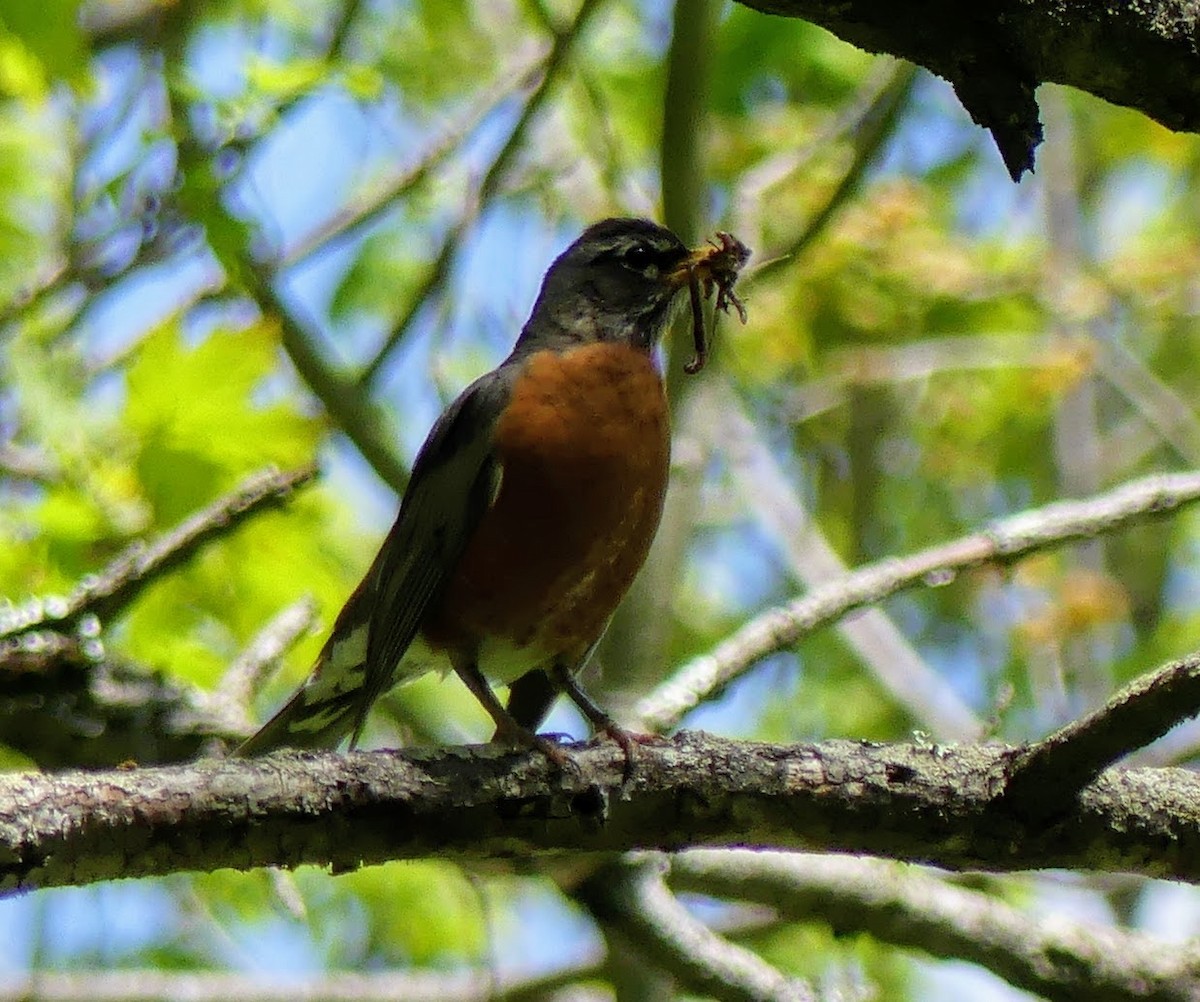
[(713, 266)]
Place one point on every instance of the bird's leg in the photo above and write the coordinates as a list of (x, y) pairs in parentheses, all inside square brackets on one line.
[(563, 677), (508, 730)]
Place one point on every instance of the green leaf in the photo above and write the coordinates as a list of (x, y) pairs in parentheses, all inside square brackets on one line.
[(282, 80), (383, 277), (419, 912), (51, 33), (21, 72), (197, 415)]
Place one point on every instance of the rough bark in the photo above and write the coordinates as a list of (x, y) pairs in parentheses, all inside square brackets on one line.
[(1141, 55), (923, 803)]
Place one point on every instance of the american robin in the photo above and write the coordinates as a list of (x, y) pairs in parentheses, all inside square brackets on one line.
[(532, 505)]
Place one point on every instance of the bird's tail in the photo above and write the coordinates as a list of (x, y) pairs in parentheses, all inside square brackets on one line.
[(331, 703)]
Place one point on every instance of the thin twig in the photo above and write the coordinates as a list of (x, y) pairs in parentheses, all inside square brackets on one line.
[(556, 61), (1055, 958), (871, 131), (104, 594), (433, 281), (766, 491), (213, 986), (22, 462), (630, 895), (53, 278), (1047, 776), (1171, 416), (363, 422), (229, 703), (350, 221), (846, 368), (1004, 542), (342, 25), (757, 182)]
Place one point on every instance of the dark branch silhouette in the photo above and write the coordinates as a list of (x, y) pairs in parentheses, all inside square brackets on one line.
[(1141, 55)]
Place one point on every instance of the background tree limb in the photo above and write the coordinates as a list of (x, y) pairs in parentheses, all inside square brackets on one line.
[(1143, 56), (1003, 542), (1060, 959), (107, 592)]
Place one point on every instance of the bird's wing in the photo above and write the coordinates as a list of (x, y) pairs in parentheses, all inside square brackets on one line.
[(454, 480)]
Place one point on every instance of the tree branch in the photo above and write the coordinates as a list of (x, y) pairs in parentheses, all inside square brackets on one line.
[(65, 701), (1004, 542), (766, 491), (1047, 776), (1057, 959), (874, 126), (64, 707), (213, 986), (226, 709), (361, 420), (555, 65), (1140, 55), (104, 594), (368, 208), (629, 894), (908, 801)]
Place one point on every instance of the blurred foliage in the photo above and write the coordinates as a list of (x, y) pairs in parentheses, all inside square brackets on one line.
[(188, 189)]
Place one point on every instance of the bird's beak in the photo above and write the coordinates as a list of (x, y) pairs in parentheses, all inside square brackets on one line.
[(697, 258)]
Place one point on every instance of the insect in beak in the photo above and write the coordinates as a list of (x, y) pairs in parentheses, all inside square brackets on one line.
[(715, 265)]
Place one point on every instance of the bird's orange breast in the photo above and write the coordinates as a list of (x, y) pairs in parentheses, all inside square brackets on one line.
[(584, 446)]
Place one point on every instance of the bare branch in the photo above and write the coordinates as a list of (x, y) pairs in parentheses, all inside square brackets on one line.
[(1048, 775), (916, 802), (629, 894), (1057, 959), (25, 462), (751, 198), (226, 709), (1004, 542), (429, 287), (883, 648), (555, 65), (351, 220), (104, 594), (65, 705), (1156, 403), (66, 701), (362, 421), (211, 986), (870, 132)]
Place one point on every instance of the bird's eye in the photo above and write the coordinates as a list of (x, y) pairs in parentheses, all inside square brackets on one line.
[(639, 257)]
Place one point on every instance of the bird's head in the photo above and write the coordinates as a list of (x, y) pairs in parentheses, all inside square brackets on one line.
[(618, 282)]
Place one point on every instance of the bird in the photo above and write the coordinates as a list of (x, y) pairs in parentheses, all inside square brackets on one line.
[(531, 507)]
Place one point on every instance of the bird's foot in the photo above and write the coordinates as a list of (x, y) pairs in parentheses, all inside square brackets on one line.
[(628, 742), (549, 745)]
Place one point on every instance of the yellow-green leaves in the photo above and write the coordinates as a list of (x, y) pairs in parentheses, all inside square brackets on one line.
[(40, 41), (204, 415)]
